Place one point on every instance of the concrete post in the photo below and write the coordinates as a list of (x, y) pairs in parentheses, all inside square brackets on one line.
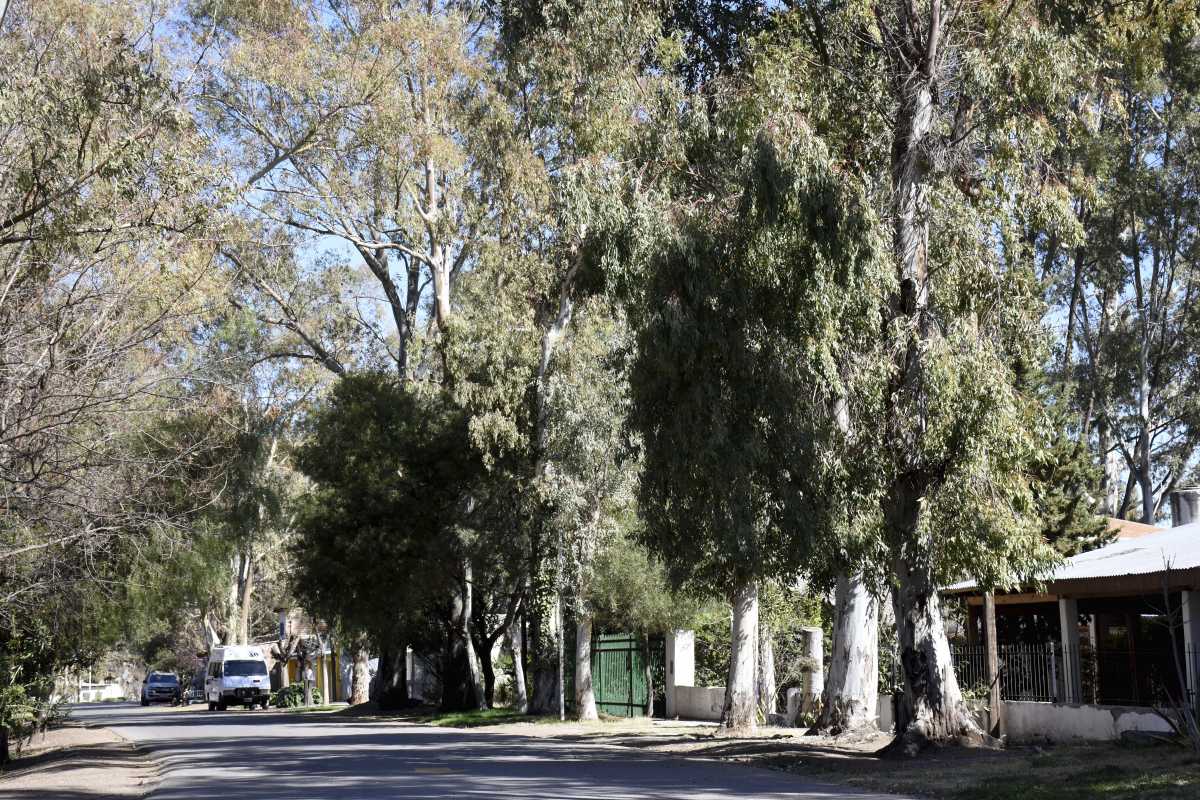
[(814, 679), (1068, 620), (681, 666), (1190, 600)]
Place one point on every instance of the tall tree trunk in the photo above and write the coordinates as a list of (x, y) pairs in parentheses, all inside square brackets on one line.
[(766, 671), (483, 649), (212, 636), (478, 695), (585, 697), (851, 698), (244, 596), (738, 717), (516, 645), (233, 594), (545, 641), (1145, 475), (361, 677), (1111, 473), (932, 709), (391, 681), (649, 676)]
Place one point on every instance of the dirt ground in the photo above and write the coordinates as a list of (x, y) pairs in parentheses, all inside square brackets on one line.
[(1063, 772), (74, 763)]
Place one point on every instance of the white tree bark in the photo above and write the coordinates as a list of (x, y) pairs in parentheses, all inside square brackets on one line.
[(360, 681), (851, 698), (585, 697), (767, 688), (474, 671), (739, 715), (516, 645)]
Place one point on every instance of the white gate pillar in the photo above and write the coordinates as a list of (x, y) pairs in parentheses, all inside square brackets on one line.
[(681, 665)]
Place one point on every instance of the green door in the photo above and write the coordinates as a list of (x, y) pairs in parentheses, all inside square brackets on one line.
[(619, 675)]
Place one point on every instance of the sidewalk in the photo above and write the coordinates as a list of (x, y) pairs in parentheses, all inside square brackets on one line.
[(74, 762)]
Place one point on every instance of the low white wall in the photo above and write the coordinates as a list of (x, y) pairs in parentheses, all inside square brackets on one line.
[(699, 702), (1062, 722), (885, 713)]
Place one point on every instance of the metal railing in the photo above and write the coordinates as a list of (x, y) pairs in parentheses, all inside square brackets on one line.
[(1100, 676), (1138, 676), (1027, 671)]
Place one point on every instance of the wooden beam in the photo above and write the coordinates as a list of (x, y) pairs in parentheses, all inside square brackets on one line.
[(995, 707), (1016, 599)]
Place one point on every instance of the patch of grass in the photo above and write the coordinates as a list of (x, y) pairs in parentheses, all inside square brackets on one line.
[(311, 709), (478, 719), (1094, 772)]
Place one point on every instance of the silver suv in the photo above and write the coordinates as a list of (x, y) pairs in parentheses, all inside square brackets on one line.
[(161, 687)]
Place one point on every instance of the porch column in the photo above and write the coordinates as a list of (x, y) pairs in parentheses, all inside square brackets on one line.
[(1190, 600), (1068, 620), (681, 665)]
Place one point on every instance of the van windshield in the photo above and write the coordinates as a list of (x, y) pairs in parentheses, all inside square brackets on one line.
[(245, 668)]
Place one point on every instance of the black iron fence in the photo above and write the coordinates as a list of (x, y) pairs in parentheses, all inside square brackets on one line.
[(1027, 671), (1137, 677), (1103, 676)]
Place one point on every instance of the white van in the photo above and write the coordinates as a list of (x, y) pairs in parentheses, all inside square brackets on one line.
[(236, 676)]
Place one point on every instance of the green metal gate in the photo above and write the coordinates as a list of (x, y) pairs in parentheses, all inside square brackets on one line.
[(619, 675)]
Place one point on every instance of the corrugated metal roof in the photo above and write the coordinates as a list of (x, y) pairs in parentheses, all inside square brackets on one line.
[(1144, 555), (1141, 556)]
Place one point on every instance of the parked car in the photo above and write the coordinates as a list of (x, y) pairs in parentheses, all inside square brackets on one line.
[(161, 687)]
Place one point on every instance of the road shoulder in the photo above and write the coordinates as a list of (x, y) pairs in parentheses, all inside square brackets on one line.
[(75, 761)]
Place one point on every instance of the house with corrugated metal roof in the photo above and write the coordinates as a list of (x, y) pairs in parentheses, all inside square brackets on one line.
[(1115, 626)]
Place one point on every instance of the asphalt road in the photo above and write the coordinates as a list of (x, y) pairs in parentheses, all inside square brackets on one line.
[(256, 755)]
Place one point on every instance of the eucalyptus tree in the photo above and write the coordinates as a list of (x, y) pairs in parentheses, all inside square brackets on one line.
[(762, 288), (100, 287), (576, 77), (1124, 284), (941, 87), (372, 128)]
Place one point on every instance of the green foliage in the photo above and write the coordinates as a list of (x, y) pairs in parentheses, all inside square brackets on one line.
[(293, 697), (751, 311), (785, 608), (628, 591), (390, 466)]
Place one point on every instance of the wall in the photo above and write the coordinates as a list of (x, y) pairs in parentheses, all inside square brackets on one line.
[(699, 702), (1030, 722), (1057, 722)]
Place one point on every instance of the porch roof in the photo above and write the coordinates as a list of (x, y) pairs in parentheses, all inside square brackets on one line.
[(1143, 558)]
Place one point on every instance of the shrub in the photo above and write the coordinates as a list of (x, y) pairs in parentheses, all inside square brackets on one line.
[(293, 697)]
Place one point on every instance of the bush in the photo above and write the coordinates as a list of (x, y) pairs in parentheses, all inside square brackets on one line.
[(293, 697)]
